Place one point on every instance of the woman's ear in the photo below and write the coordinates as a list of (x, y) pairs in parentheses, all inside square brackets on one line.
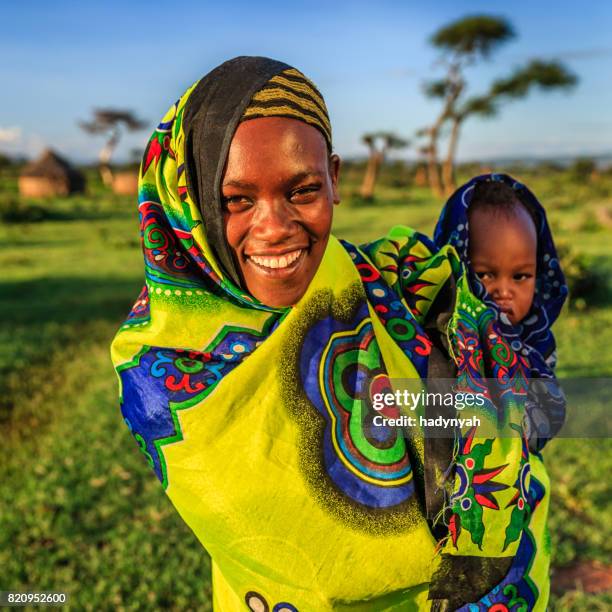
[(334, 172)]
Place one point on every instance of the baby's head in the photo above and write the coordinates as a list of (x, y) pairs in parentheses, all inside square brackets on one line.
[(503, 247)]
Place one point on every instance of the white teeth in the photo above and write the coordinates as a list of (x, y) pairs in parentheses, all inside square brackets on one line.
[(277, 262)]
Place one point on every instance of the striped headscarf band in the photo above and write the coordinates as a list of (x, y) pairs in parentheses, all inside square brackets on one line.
[(290, 94)]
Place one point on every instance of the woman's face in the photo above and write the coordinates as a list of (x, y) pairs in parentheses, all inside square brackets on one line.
[(278, 192)]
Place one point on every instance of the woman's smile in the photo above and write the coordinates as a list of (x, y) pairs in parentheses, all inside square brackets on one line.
[(283, 261)]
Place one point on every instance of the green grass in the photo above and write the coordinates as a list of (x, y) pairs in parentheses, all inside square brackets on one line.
[(80, 510)]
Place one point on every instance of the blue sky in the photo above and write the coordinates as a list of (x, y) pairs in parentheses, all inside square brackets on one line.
[(369, 59)]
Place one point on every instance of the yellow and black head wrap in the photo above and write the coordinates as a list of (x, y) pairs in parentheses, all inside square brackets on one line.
[(291, 94), (238, 90)]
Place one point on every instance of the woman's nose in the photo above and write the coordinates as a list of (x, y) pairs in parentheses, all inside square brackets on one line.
[(274, 222)]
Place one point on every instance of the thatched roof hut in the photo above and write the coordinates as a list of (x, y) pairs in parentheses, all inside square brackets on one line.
[(50, 175), (125, 183)]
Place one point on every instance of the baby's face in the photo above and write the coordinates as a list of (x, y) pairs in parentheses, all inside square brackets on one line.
[(503, 253)]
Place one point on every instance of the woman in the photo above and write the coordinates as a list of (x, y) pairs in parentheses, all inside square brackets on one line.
[(248, 365)]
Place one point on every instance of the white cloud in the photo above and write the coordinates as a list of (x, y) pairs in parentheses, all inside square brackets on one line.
[(10, 135), (14, 141)]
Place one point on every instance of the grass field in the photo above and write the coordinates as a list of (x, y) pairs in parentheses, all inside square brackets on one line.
[(80, 511)]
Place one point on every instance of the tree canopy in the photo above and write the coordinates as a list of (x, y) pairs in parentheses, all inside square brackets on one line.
[(105, 119), (537, 73), (475, 35)]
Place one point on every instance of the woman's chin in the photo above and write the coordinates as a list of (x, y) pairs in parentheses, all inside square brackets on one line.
[(279, 287)]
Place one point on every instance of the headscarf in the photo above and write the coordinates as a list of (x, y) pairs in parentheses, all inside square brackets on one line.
[(258, 420), (532, 337)]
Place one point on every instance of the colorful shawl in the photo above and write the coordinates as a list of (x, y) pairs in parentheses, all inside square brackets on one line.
[(532, 337), (258, 421)]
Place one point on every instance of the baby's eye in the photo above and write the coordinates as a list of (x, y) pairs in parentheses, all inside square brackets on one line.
[(484, 275), (521, 276)]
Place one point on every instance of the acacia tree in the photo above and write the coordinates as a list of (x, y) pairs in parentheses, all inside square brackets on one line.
[(535, 75), (462, 43), (378, 143), (111, 122)]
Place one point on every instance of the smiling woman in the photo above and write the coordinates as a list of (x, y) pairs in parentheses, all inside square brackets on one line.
[(249, 363)]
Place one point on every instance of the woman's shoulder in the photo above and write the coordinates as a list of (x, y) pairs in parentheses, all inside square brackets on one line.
[(400, 238), (411, 266), (404, 255)]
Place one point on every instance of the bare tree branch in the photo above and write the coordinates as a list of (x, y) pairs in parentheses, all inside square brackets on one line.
[(110, 121)]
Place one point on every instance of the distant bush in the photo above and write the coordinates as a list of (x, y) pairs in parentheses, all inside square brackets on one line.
[(354, 198), (469, 169), (5, 161), (13, 211), (590, 223), (395, 173), (582, 168), (586, 277), (548, 167)]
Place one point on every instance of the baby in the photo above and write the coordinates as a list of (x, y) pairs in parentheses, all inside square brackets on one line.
[(500, 232), (503, 247)]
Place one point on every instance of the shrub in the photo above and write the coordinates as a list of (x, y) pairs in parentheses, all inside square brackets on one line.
[(12, 211), (586, 277), (582, 168)]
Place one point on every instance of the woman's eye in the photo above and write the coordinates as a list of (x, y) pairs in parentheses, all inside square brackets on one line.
[(236, 203), (305, 194)]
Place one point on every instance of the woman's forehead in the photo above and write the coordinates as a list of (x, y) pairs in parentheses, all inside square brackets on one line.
[(273, 145), (267, 129)]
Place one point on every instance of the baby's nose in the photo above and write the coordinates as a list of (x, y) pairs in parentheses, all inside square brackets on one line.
[(502, 290)]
